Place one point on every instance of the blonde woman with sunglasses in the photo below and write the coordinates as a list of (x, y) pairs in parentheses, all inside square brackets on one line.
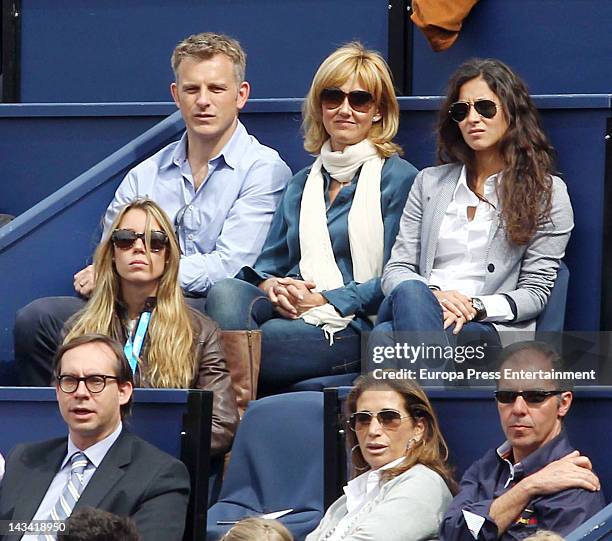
[(139, 303), (316, 285), (404, 484)]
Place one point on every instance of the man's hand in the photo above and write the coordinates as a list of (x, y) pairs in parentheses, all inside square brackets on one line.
[(572, 471), (456, 303), (85, 281)]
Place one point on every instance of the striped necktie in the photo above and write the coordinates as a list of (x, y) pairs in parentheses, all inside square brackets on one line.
[(72, 491)]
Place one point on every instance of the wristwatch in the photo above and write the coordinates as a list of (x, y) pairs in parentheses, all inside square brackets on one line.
[(481, 311)]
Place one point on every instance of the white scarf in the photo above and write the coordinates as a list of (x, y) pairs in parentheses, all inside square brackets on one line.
[(365, 227)]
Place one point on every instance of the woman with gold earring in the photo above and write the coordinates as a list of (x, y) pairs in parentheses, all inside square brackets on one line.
[(406, 484)]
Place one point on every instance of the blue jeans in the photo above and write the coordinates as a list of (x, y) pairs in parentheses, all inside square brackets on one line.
[(412, 314), (292, 350)]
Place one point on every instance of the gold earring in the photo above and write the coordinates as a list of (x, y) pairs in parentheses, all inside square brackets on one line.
[(412, 442)]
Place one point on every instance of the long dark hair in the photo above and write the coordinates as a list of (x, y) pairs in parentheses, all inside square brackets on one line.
[(431, 450), (526, 188)]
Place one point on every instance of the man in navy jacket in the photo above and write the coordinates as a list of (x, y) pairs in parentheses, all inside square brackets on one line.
[(536, 479)]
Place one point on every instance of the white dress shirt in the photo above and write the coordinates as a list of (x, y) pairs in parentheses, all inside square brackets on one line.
[(461, 252), (359, 491)]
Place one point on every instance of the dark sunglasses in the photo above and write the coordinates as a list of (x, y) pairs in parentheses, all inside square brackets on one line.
[(389, 419), (531, 397), (460, 109), (359, 100), (125, 239)]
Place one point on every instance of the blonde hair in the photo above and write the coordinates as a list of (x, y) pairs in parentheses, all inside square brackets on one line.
[(431, 449), (258, 529), (206, 45), (169, 353), (370, 69)]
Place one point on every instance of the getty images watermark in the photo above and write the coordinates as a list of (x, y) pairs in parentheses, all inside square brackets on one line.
[(445, 363), (423, 352), (438, 361)]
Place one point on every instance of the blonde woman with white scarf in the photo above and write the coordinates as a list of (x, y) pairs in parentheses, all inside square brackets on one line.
[(316, 285)]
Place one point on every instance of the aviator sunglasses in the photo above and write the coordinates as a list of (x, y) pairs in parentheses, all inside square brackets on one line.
[(125, 239), (460, 109), (359, 100), (531, 397), (389, 419)]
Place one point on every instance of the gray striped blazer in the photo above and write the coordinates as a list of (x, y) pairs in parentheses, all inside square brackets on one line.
[(525, 273)]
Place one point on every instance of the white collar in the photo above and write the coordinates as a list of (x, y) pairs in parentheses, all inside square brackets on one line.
[(464, 196), (366, 485)]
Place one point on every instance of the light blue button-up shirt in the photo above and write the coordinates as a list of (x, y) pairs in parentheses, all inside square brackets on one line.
[(227, 219)]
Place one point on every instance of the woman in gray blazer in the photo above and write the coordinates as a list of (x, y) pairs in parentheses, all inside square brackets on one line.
[(405, 485), (482, 235)]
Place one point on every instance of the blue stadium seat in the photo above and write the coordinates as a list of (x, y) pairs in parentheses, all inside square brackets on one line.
[(276, 464), (552, 318), (318, 384), (597, 528)]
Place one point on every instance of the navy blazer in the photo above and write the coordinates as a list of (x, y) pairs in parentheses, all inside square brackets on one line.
[(134, 479)]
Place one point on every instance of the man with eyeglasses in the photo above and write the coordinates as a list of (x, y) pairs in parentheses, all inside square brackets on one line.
[(218, 184), (536, 479), (100, 464)]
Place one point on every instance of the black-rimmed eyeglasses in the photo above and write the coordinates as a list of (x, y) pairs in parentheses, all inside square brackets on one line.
[(94, 383)]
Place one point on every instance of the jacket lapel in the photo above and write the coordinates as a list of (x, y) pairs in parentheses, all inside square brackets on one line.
[(489, 256), (110, 471), (39, 479), (444, 195), (495, 222)]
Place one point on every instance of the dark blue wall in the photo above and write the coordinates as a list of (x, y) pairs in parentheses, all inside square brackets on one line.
[(43, 147), (557, 46), (84, 51)]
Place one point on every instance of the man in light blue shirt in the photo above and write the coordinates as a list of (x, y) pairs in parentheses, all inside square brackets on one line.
[(218, 184)]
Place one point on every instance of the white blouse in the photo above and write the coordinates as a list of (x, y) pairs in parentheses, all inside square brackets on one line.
[(460, 261)]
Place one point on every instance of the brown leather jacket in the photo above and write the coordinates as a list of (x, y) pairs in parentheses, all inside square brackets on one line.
[(210, 373)]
